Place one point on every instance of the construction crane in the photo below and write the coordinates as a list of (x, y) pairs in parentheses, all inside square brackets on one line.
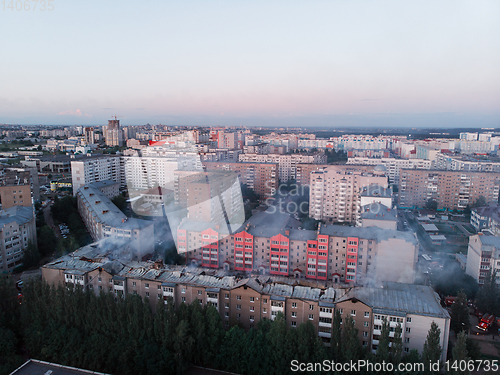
[(116, 117)]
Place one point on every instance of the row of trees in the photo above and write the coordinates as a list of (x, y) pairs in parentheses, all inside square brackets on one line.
[(78, 328)]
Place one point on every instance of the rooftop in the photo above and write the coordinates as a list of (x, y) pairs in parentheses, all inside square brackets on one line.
[(398, 299), (36, 367), (106, 212), (21, 215)]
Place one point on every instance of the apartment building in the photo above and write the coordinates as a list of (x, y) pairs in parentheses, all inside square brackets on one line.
[(260, 177), (413, 307), (303, 173), (17, 229), (335, 192), (487, 217), (104, 220), (392, 165), (15, 195), (49, 163), (271, 243), (450, 162), (113, 134), (88, 169), (483, 257), (246, 301), (452, 190), (287, 163)]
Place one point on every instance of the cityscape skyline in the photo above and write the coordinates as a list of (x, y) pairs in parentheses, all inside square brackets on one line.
[(231, 64)]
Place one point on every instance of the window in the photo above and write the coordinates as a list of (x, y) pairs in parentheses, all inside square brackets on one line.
[(294, 315), (183, 290), (183, 299), (252, 318), (226, 314), (264, 300), (365, 334), (147, 294), (367, 314), (341, 311), (99, 279), (238, 316), (252, 299), (159, 296), (353, 312), (294, 305), (407, 339), (238, 307), (264, 310), (311, 316), (408, 320), (158, 287), (252, 308), (407, 350), (199, 292), (226, 295), (134, 283), (365, 324), (311, 307), (408, 329), (294, 324), (146, 285), (238, 298)]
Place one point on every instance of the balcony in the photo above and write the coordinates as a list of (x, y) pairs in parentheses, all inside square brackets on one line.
[(324, 334), (323, 324)]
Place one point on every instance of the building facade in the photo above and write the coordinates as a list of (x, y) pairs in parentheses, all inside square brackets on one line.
[(452, 190), (17, 230), (335, 192)]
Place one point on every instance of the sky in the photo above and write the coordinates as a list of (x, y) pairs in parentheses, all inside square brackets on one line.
[(328, 63)]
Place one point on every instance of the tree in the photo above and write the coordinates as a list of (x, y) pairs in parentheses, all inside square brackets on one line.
[(183, 345), (120, 201), (383, 343), (460, 320), (431, 204), (487, 298), (47, 240), (432, 348), (397, 345), (480, 202), (335, 341), (350, 341), (31, 256), (459, 354)]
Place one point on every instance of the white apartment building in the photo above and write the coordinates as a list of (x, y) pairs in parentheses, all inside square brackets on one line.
[(17, 229), (97, 168), (287, 163), (451, 162), (335, 192), (483, 257), (104, 220), (392, 165)]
